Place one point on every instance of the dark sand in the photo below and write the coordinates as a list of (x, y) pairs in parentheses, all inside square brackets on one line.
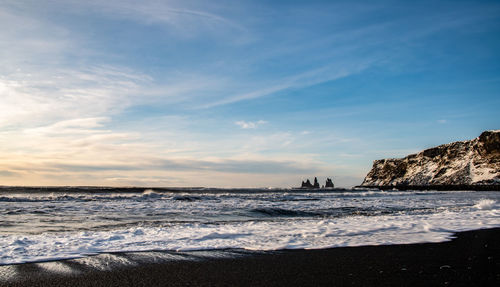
[(472, 259)]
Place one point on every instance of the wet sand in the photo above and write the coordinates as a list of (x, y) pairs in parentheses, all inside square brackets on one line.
[(472, 259)]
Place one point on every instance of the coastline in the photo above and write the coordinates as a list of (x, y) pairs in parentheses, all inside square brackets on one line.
[(441, 187), (472, 258)]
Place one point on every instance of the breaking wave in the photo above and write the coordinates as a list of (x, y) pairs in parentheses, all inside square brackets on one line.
[(485, 204), (46, 226)]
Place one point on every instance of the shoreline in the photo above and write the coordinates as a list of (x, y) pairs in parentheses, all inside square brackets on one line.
[(458, 187), (471, 258)]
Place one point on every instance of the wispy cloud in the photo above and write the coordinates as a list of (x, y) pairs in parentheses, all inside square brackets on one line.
[(26, 39), (53, 95), (6, 173), (187, 18), (170, 165), (250, 125), (305, 79)]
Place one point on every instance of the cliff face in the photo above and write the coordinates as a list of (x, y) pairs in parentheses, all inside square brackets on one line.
[(473, 162)]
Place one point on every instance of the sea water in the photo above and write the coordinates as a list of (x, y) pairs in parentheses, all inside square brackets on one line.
[(48, 226)]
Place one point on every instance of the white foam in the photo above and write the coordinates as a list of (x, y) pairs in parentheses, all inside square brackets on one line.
[(265, 235), (429, 217), (485, 204), (150, 193)]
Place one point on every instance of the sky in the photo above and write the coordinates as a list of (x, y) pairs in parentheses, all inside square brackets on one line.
[(238, 93)]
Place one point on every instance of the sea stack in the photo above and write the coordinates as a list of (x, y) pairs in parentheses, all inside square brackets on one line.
[(329, 183), (465, 163), (306, 184), (316, 183)]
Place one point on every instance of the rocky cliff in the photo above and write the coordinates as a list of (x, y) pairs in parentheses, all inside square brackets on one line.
[(467, 163)]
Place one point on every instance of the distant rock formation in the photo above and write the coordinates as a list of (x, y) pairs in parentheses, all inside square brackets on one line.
[(329, 183), (307, 183), (468, 163), (316, 184)]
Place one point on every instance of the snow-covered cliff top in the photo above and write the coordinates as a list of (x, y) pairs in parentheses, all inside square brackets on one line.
[(473, 162)]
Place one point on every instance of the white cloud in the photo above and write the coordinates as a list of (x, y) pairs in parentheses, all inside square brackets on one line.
[(72, 126), (250, 125), (63, 94)]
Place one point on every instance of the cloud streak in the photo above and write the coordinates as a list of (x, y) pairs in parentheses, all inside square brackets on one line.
[(176, 15), (190, 165), (250, 125), (64, 94), (302, 80)]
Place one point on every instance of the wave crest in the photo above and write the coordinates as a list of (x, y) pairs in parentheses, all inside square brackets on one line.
[(485, 204)]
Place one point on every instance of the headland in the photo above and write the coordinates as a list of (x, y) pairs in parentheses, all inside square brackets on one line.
[(464, 165)]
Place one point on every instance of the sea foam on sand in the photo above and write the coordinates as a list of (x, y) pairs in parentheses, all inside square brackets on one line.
[(307, 233)]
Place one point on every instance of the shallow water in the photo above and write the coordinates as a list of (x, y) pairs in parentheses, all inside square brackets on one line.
[(45, 226)]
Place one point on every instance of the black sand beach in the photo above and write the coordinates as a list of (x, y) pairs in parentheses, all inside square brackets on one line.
[(472, 259)]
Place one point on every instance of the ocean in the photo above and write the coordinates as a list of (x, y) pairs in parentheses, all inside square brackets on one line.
[(73, 223)]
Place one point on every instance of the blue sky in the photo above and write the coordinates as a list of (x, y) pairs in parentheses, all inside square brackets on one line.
[(238, 93)]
